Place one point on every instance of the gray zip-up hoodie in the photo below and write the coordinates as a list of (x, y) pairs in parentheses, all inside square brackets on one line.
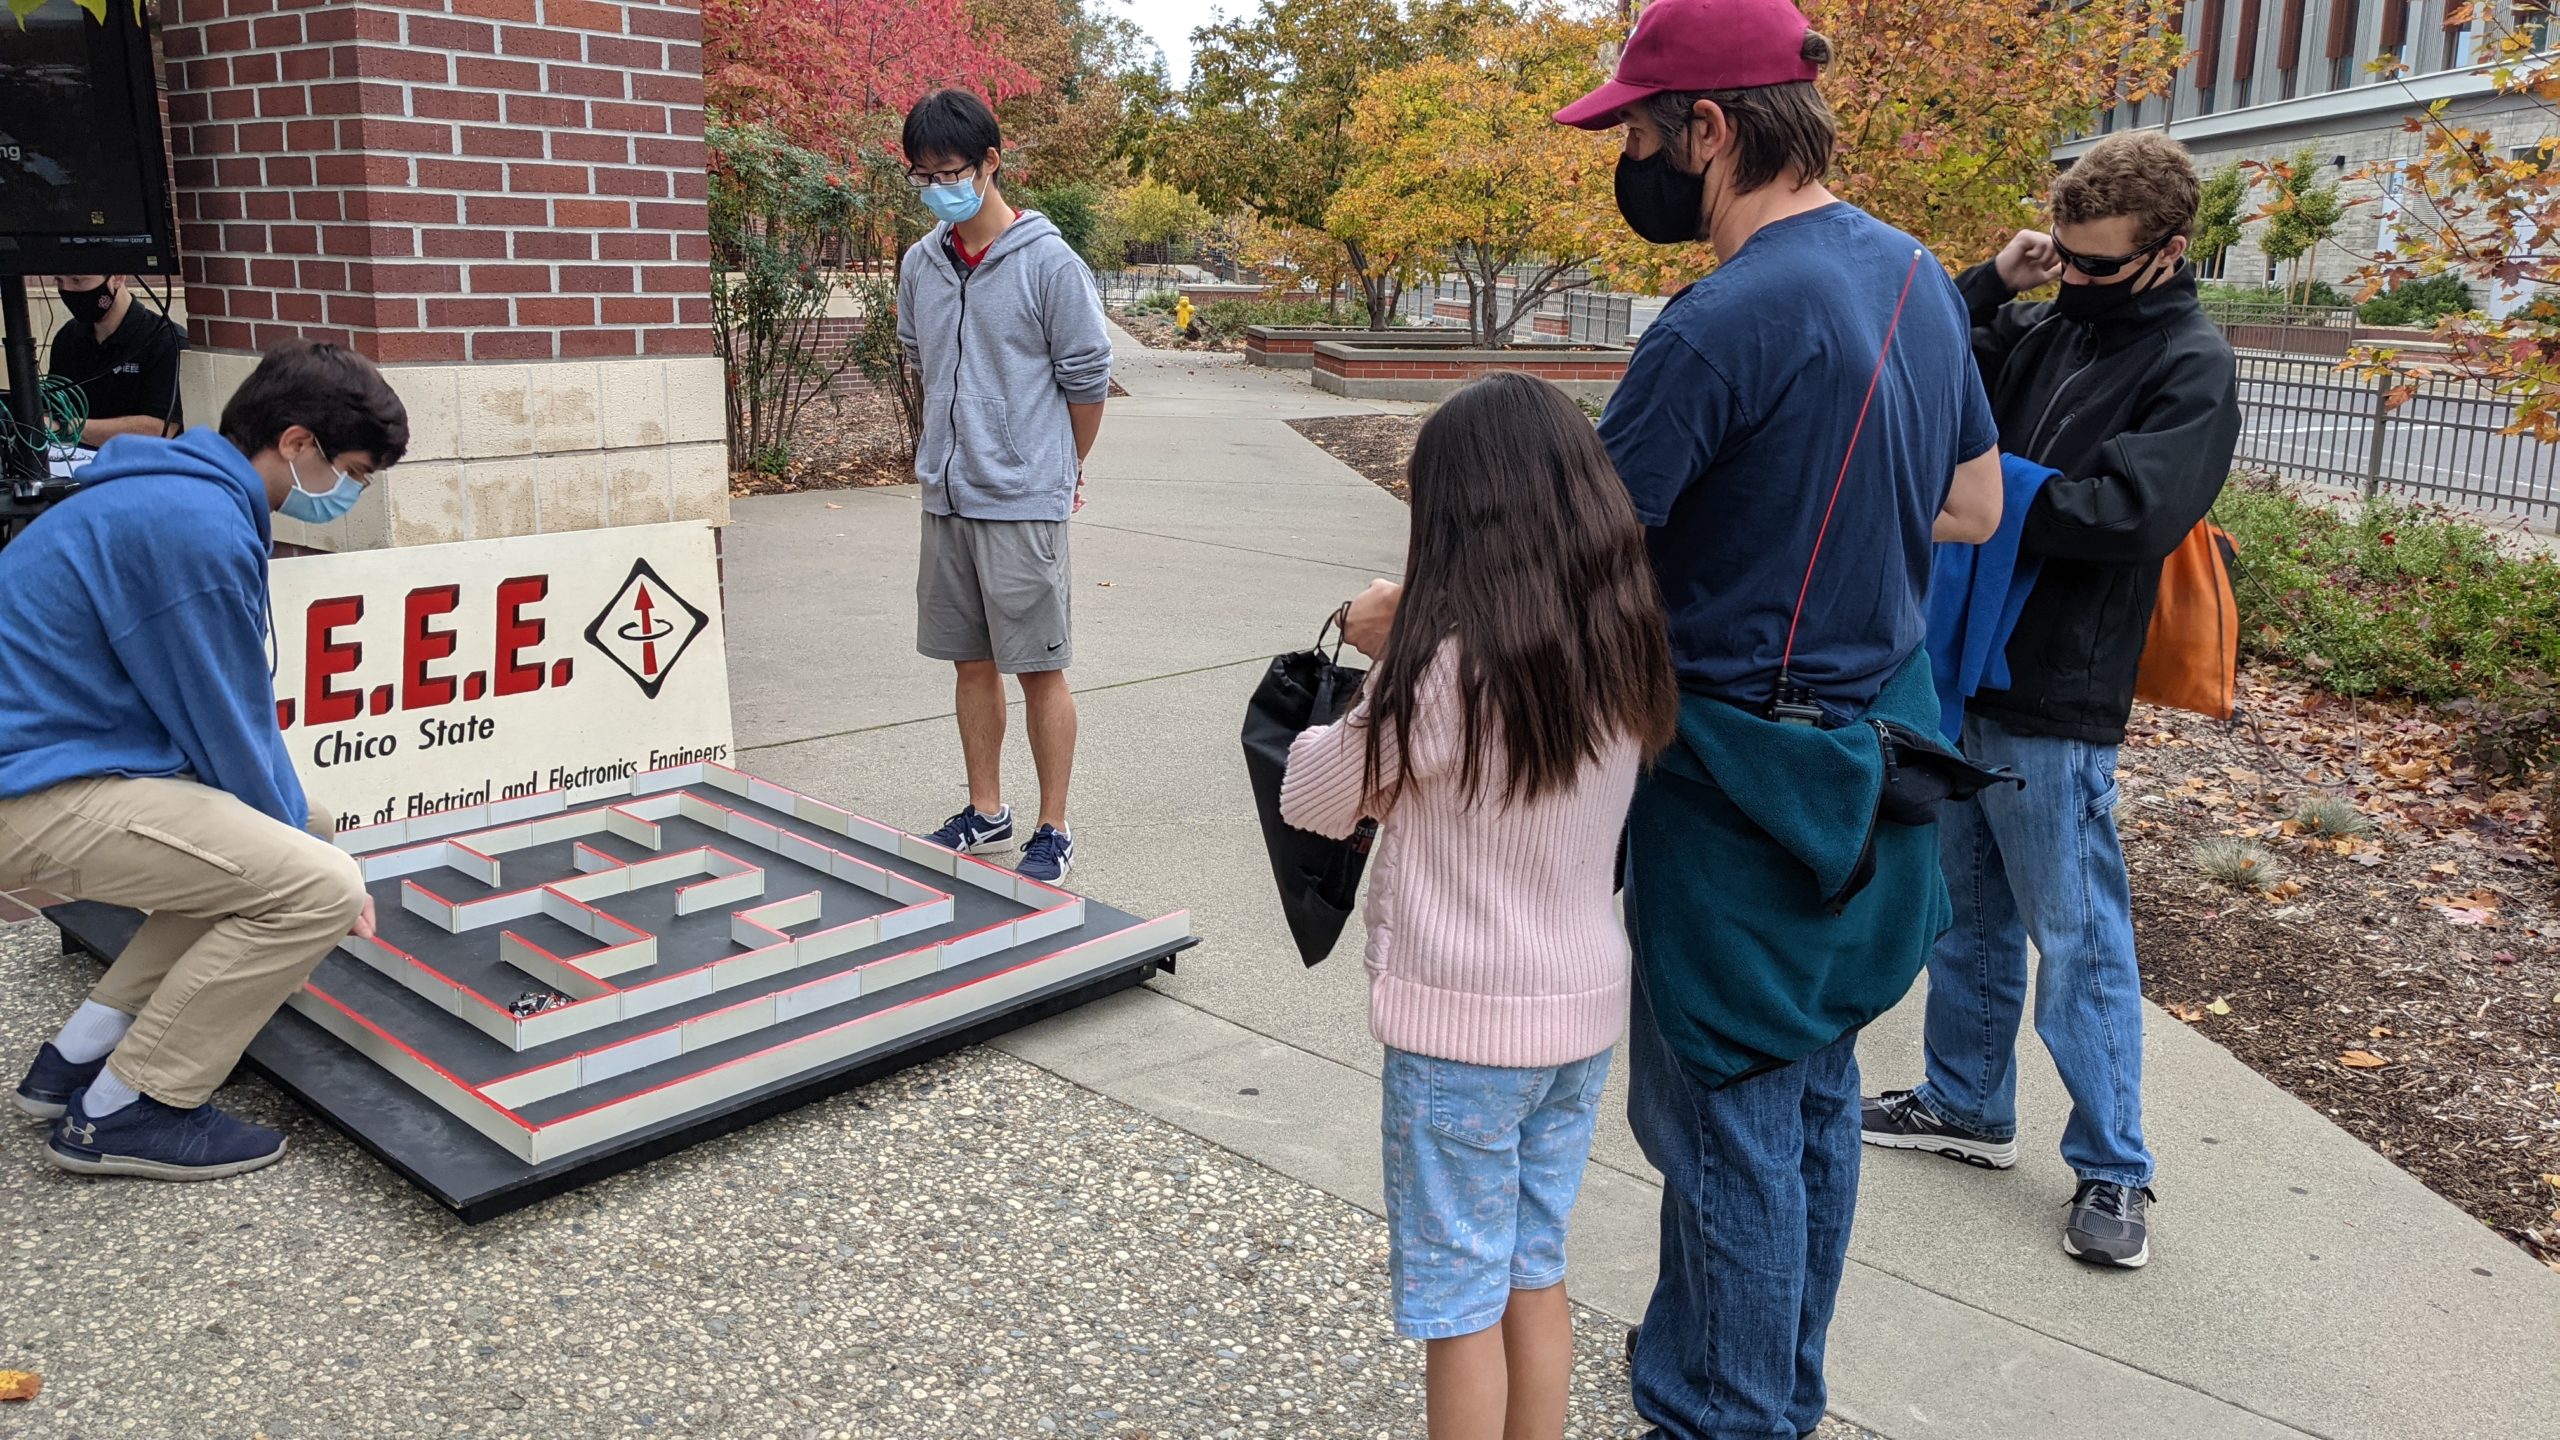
[(1003, 349)]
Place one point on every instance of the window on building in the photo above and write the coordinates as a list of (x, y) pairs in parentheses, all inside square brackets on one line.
[(2341, 49), (2461, 41), (2133, 116), (2107, 121), (2204, 102), (2395, 30), (2533, 18)]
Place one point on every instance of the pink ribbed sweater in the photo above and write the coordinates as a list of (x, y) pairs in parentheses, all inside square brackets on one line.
[(1493, 929)]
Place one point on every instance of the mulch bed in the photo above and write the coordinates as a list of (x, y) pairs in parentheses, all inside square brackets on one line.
[(1378, 446), (1156, 331), (850, 438), (2404, 982)]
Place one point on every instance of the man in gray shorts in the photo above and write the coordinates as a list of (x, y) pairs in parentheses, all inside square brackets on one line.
[(999, 316)]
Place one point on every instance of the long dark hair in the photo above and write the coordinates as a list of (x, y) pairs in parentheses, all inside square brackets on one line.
[(1526, 552)]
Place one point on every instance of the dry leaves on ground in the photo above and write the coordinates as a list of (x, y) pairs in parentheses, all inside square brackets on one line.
[(20, 1385)]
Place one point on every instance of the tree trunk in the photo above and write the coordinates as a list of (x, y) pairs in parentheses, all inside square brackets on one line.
[(1377, 289)]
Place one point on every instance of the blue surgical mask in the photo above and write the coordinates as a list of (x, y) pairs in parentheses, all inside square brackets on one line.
[(328, 505), (954, 203)]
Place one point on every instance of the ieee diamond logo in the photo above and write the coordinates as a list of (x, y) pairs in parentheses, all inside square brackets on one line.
[(646, 628)]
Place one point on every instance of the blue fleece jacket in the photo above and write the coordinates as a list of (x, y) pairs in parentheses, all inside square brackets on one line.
[(1976, 594), (133, 629)]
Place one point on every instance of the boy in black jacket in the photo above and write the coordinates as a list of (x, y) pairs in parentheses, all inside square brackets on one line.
[(2123, 386)]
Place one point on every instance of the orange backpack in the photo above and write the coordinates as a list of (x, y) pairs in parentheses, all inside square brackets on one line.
[(2191, 658)]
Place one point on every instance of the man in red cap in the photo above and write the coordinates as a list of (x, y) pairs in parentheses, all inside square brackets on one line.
[(1796, 430)]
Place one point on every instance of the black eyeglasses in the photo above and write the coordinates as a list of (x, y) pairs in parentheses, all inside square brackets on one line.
[(918, 179), (2100, 267)]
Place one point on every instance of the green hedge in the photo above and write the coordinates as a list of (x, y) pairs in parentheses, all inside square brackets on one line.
[(2403, 600), (2419, 302)]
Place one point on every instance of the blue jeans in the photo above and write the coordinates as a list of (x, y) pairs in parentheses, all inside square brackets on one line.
[(1759, 1181), (1483, 1163), (2042, 863)]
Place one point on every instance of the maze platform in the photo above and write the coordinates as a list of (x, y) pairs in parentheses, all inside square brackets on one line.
[(570, 983)]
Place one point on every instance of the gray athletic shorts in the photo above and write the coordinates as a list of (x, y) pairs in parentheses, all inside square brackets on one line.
[(994, 590)]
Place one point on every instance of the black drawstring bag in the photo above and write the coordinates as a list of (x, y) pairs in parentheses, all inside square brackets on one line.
[(1319, 877)]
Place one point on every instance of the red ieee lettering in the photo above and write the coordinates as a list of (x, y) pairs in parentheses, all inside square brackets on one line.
[(422, 644), (518, 632), (323, 703)]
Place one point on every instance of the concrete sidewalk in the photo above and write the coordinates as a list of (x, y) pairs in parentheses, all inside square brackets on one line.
[(2300, 1286)]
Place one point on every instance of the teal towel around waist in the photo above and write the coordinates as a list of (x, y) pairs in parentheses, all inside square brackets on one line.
[(1740, 840)]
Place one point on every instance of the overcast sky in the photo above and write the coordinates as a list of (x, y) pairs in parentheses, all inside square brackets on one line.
[(1172, 21)]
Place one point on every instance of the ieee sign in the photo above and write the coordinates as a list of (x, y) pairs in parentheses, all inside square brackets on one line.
[(415, 681)]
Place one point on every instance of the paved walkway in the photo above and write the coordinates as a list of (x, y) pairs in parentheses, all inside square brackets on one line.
[(1170, 1233), (2301, 1285)]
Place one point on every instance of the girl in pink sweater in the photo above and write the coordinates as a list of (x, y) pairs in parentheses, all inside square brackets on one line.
[(1523, 676)]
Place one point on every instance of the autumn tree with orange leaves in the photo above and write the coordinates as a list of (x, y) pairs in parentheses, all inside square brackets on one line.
[(1461, 158), (2468, 207)]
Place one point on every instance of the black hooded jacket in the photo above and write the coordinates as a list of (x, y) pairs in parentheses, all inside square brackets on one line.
[(2139, 412)]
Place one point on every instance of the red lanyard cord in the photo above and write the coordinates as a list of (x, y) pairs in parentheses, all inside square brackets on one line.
[(1786, 663)]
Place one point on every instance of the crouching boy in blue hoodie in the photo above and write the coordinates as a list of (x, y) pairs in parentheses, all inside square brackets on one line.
[(140, 763), (1000, 318)]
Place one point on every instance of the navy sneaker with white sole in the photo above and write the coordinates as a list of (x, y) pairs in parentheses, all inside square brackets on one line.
[(1901, 1120), (151, 1141), (971, 833), (1048, 855), (52, 1081)]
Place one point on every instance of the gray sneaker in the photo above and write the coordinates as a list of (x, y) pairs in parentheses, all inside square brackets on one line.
[(2106, 1225), (1901, 1120)]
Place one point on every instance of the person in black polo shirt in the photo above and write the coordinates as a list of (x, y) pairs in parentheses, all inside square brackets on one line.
[(123, 357)]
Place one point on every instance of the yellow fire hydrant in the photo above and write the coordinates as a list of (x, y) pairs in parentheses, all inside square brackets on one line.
[(1182, 312)]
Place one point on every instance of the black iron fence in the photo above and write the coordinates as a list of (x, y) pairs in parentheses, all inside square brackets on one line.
[(2304, 418)]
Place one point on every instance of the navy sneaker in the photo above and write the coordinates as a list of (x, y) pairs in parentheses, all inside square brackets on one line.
[(1901, 1120), (971, 833), (1046, 858), (52, 1081), (152, 1141)]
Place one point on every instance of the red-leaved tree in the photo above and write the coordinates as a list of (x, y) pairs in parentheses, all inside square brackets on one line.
[(836, 76)]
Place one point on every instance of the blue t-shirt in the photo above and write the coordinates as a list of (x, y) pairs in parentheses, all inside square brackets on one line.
[(1729, 431)]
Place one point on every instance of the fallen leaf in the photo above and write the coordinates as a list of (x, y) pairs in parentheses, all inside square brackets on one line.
[(2362, 1060), (2181, 1010), (1104, 584), (20, 1384), (833, 505), (2552, 1180), (2446, 867), (2378, 1032), (2218, 1006)]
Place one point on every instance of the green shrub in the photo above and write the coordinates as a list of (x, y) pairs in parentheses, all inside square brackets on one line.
[(1076, 209), (1227, 319), (2242, 302), (2403, 600), (2419, 302), (1154, 300)]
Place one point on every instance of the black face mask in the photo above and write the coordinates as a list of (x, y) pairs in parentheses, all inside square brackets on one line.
[(2093, 302), (91, 304), (1659, 202)]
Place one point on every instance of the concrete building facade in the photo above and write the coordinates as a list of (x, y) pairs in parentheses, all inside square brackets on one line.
[(2269, 78)]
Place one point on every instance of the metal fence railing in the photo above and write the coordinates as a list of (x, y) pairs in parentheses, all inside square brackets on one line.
[(2303, 418)]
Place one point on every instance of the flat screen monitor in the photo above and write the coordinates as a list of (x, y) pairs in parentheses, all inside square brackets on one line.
[(84, 180)]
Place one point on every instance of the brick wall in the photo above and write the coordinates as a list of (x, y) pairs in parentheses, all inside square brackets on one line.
[(442, 180)]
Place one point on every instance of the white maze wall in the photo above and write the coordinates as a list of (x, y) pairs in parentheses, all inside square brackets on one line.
[(634, 1010)]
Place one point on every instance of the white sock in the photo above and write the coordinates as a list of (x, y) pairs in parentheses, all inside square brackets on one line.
[(106, 1095), (92, 1031)]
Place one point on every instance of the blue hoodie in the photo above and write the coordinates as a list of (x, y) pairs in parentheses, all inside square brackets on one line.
[(133, 629)]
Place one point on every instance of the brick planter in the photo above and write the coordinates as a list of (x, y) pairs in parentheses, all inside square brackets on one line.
[(1293, 347), (1374, 373)]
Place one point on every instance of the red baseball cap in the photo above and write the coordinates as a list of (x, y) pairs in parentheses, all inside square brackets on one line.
[(1700, 45)]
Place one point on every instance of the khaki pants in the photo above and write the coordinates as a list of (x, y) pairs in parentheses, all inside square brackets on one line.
[(242, 910)]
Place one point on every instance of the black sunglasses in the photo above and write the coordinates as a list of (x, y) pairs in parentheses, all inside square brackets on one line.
[(2100, 267)]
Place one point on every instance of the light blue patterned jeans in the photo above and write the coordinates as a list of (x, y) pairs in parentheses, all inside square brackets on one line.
[(1483, 1164)]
